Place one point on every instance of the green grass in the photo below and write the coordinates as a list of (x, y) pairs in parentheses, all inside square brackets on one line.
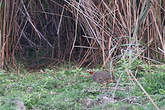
[(65, 89)]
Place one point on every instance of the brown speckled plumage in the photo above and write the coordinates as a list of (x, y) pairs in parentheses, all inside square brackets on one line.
[(103, 77)]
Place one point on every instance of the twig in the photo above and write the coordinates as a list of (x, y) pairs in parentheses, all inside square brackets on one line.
[(113, 95), (86, 76), (75, 36), (141, 87)]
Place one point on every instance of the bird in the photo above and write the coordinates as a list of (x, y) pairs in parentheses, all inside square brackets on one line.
[(103, 77)]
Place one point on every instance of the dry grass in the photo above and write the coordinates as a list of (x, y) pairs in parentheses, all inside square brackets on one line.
[(80, 31)]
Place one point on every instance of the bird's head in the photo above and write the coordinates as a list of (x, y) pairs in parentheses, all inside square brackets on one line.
[(90, 72)]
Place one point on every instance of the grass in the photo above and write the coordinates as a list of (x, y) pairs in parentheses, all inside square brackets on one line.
[(66, 89)]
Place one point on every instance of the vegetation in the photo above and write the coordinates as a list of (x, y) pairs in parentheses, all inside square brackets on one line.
[(79, 31), (63, 88), (125, 37)]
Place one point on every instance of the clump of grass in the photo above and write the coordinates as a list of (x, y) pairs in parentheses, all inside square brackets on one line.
[(154, 83)]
